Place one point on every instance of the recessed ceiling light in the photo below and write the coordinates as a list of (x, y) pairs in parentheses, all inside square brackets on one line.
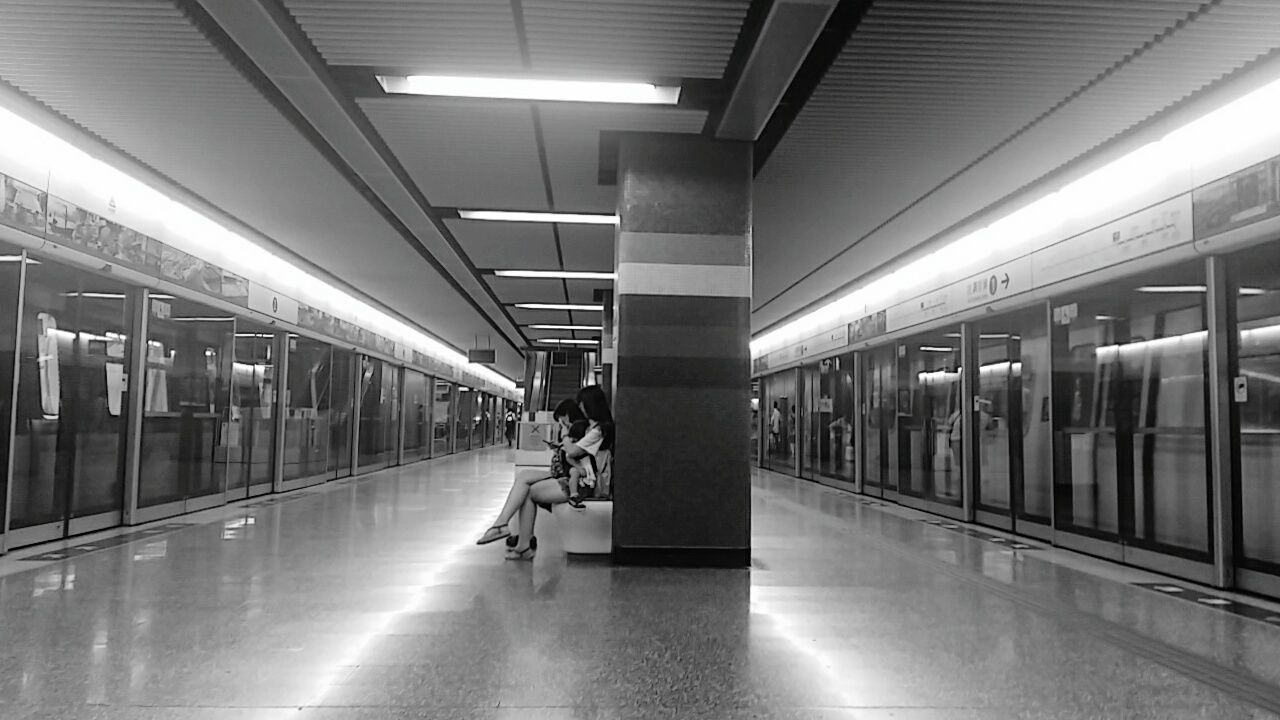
[(1157, 289), (936, 348), (566, 341), (566, 327), (555, 274), (531, 89), (538, 217), (560, 306)]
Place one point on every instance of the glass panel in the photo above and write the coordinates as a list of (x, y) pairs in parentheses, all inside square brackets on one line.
[(379, 411), (465, 414), (479, 419), (1013, 417), (68, 457), (1129, 364), (390, 414), (881, 421), (417, 421), (1258, 316), (441, 420), (834, 418), (780, 393), (342, 389), (755, 421), (249, 429), (189, 350), (808, 409), (308, 409), (929, 410), (10, 279)]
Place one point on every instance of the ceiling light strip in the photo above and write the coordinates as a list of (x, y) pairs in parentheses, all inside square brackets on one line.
[(632, 93), (32, 153), (538, 217), (556, 274), (1225, 134)]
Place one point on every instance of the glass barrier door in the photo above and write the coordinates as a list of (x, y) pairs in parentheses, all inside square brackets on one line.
[(68, 458), (781, 396), (879, 421), (810, 417), (1131, 443), (184, 460), (1256, 393), (248, 427), (1013, 485)]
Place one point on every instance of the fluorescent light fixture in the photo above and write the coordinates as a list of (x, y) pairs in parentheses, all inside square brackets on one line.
[(567, 341), (567, 327), (556, 274), (95, 295), (1172, 289), (531, 89), (1105, 318), (17, 258), (936, 348), (538, 217), (560, 306), (1253, 291)]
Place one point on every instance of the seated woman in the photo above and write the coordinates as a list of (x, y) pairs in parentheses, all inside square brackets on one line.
[(567, 413), (549, 491)]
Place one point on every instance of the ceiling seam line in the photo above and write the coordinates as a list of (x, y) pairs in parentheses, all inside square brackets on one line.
[(1093, 82), (539, 139), (240, 60)]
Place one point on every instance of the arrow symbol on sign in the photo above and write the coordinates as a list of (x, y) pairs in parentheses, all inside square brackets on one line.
[(1005, 281)]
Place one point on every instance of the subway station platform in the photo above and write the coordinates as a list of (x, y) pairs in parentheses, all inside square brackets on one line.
[(367, 598)]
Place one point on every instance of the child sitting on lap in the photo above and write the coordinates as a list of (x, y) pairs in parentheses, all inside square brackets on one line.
[(582, 472)]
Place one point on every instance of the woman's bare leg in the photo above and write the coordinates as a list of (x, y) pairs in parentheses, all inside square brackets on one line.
[(515, 499), (546, 492)]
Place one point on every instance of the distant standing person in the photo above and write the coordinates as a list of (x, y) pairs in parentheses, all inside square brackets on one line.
[(775, 428), (510, 421)]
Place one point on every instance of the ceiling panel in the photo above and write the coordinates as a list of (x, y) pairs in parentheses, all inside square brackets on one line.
[(464, 153), (138, 74), (641, 39), (458, 36), (583, 291), (936, 109), (520, 246), (572, 133), (514, 290), (587, 247), (550, 317)]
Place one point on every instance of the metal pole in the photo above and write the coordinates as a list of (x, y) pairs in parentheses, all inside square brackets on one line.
[(859, 424), (137, 401), (1223, 417), (279, 408), (970, 416), (11, 440)]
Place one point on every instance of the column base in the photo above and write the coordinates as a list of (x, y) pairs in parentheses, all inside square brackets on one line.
[(683, 557)]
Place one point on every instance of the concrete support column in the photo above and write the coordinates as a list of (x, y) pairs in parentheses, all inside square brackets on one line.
[(682, 401)]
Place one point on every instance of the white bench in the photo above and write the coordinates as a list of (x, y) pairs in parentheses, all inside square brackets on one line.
[(587, 530)]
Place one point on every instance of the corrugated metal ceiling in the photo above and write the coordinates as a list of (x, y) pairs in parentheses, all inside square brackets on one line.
[(614, 38)]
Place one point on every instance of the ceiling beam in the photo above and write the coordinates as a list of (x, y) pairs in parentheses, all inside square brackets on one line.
[(772, 47), (839, 27), (272, 45)]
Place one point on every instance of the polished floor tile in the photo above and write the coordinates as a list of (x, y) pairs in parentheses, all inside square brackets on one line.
[(369, 600)]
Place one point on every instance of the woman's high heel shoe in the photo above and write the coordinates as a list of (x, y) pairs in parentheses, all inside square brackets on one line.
[(526, 554)]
